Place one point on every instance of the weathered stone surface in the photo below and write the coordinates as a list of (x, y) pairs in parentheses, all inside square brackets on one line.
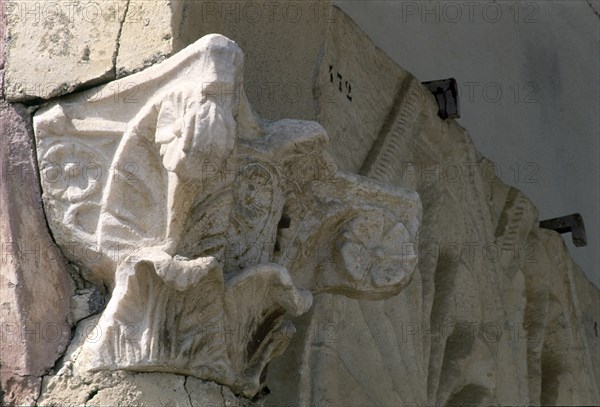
[(186, 227), (72, 385), (75, 44), (473, 326), (495, 311), (139, 389), (100, 41), (279, 72), (35, 287), (158, 23), (278, 77)]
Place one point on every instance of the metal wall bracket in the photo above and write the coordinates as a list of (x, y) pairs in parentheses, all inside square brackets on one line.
[(446, 94), (565, 224)]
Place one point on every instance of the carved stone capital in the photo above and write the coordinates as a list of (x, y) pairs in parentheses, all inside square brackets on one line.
[(207, 225)]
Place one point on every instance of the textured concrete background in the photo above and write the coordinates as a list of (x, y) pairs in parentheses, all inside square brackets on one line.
[(529, 78)]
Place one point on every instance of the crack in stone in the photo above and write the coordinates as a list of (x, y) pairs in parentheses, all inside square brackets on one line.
[(39, 395), (185, 379), (589, 3), (118, 43), (223, 396), (34, 396)]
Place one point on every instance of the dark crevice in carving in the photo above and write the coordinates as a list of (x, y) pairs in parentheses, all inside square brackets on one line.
[(284, 223), (91, 395), (262, 331), (264, 392)]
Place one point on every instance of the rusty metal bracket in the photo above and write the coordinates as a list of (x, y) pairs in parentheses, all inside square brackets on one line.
[(446, 94), (565, 224)]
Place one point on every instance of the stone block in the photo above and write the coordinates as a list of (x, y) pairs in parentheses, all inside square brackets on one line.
[(35, 287), (75, 44)]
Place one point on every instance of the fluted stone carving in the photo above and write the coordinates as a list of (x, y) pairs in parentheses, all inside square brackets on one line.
[(206, 225)]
